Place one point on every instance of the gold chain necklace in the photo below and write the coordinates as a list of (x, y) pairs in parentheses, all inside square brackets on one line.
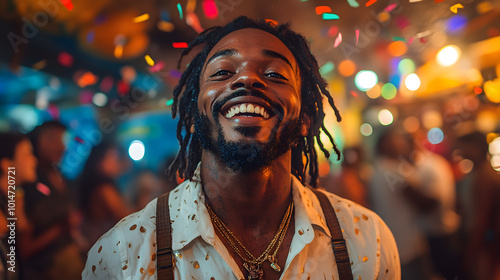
[(251, 263)]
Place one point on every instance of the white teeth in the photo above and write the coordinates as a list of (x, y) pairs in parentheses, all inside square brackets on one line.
[(247, 108)]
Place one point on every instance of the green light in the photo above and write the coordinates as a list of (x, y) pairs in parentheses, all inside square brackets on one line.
[(170, 102), (406, 66), (326, 68), (389, 91)]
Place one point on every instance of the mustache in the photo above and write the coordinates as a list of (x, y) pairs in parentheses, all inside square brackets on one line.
[(242, 92)]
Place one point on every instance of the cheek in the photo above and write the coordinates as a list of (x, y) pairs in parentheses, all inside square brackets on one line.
[(206, 99)]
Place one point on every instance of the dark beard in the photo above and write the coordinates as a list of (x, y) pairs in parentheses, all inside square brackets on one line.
[(247, 156)]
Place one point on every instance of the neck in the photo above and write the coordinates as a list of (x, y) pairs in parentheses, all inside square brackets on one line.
[(247, 199)]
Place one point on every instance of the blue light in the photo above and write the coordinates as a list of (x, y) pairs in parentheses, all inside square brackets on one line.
[(456, 23), (435, 135)]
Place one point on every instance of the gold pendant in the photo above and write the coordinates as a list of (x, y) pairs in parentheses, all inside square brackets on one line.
[(254, 271), (274, 263)]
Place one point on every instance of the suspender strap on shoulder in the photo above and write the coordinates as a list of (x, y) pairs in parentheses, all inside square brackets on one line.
[(164, 263), (338, 243)]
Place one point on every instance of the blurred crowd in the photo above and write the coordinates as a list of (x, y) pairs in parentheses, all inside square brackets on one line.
[(446, 224)]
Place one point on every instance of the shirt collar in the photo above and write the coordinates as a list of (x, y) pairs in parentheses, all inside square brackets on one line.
[(190, 218)]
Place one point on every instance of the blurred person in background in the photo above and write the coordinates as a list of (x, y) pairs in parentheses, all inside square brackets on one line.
[(48, 205), (394, 194), (440, 223), (352, 180), (481, 197), (102, 203), (16, 153)]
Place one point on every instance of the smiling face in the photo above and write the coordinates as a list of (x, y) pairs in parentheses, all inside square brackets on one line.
[(249, 97)]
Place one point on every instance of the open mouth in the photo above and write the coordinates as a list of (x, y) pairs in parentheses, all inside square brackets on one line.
[(247, 110)]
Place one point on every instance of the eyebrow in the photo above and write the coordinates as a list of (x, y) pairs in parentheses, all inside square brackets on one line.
[(226, 52), (274, 54)]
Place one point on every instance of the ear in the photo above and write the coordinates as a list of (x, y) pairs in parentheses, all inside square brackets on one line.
[(306, 125)]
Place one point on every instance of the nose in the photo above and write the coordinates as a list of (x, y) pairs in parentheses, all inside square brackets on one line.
[(248, 79)]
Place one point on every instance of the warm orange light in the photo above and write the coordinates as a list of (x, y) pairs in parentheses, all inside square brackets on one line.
[(478, 90), (397, 48), (323, 9), (347, 68)]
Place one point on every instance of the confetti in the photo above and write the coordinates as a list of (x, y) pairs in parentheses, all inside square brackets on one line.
[(65, 59), (370, 2), (438, 1), (357, 36), (390, 7), (410, 40), (355, 94), (455, 7), (141, 18), (210, 9), (272, 22), (415, 1), (87, 79), (179, 8), (67, 4), (79, 140), (170, 102), (395, 38), (43, 189), (338, 40), (122, 88), (193, 21), (149, 60), (90, 37), (180, 45), (190, 6), (330, 16), (157, 67), (353, 3), (165, 26), (40, 64), (323, 9)]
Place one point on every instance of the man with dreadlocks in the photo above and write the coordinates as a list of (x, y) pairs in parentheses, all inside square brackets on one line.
[(250, 107)]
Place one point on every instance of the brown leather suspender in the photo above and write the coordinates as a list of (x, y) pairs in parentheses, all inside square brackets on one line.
[(338, 242), (164, 264)]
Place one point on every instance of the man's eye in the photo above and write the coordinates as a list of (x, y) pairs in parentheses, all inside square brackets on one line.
[(221, 73), (275, 75)]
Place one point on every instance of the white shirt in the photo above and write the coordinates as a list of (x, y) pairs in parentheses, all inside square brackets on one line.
[(128, 250)]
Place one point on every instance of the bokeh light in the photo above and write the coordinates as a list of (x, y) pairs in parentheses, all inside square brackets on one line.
[(374, 92), (397, 48), (456, 23), (412, 82), (465, 165), (448, 55), (411, 124), (389, 91), (347, 68), (365, 80), (385, 117), (99, 99), (432, 118), (136, 150), (495, 162), (435, 135), (366, 129), (406, 66), (494, 147), (492, 90)]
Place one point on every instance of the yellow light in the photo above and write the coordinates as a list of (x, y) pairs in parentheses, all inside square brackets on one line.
[(347, 68), (118, 51), (412, 82), (374, 92), (165, 26), (448, 55), (495, 162), (141, 18), (432, 119), (492, 90), (385, 117)]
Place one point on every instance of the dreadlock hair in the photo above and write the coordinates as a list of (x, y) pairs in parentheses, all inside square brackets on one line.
[(313, 89)]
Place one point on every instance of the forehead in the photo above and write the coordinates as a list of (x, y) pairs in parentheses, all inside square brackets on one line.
[(249, 40)]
